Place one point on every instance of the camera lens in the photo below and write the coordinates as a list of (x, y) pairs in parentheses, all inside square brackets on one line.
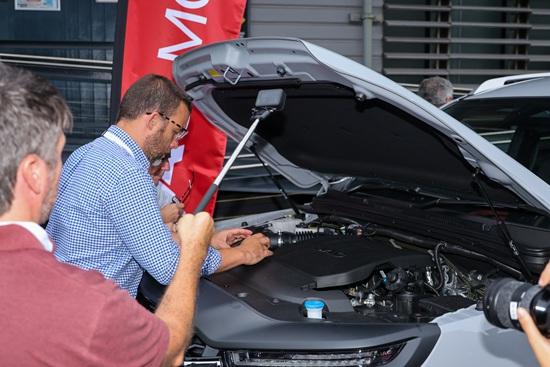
[(504, 296), (540, 309)]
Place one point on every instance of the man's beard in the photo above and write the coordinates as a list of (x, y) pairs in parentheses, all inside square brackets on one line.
[(49, 201), (154, 147)]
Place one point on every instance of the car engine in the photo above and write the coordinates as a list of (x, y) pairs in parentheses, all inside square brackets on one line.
[(336, 259)]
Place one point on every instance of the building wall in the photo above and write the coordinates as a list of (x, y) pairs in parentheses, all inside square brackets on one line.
[(327, 23), (82, 29), (85, 29), (467, 41)]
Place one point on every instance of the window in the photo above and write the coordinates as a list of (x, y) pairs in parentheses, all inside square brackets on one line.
[(518, 126)]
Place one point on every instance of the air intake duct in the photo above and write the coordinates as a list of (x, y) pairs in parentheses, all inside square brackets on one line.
[(280, 239)]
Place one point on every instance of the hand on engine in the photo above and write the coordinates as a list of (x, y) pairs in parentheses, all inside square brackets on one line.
[(255, 248), (225, 238), (251, 251)]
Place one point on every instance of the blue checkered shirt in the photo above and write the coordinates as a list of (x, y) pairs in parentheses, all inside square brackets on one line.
[(107, 218)]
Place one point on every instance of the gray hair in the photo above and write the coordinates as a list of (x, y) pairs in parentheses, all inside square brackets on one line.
[(33, 116), (436, 90)]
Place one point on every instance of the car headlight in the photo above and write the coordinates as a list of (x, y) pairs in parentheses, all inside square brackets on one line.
[(378, 356)]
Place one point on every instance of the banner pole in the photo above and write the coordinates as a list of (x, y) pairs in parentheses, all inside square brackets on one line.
[(118, 57)]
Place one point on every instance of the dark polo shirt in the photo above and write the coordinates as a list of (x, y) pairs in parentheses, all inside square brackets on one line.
[(56, 314)]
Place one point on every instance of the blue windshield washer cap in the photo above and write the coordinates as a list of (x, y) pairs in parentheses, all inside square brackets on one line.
[(314, 304)]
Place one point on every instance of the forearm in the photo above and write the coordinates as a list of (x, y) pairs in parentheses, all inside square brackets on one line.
[(230, 258), (178, 305)]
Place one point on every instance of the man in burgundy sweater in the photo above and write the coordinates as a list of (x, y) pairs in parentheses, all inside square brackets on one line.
[(53, 313)]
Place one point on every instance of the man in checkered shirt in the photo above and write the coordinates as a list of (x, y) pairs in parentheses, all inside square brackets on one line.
[(106, 216)]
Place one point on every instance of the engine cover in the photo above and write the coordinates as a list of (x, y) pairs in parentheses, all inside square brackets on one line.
[(313, 268), (332, 261)]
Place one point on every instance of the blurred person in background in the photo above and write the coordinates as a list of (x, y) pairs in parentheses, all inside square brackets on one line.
[(436, 90)]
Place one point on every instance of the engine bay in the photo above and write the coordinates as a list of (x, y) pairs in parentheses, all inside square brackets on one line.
[(353, 268)]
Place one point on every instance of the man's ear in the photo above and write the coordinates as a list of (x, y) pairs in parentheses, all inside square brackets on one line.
[(151, 121), (33, 171)]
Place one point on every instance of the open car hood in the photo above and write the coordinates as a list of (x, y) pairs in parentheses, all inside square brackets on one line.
[(342, 119)]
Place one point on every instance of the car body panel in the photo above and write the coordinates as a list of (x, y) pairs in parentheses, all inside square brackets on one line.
[(258, 59), (497, 83), (261, 308), (537, 87), (469, 338)]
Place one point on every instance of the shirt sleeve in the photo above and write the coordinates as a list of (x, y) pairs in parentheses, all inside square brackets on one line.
[(212, 262), (131, 205), (126, 334), (135, 213)]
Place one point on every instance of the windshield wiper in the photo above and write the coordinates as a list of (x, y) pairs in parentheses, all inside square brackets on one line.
[(499, 205)]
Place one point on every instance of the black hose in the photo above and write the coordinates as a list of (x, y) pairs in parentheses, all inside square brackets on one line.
[(281, 239), (438, 265), (454, 249), (374, 286)]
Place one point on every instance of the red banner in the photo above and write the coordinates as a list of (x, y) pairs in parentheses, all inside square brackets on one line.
[(156, 32)]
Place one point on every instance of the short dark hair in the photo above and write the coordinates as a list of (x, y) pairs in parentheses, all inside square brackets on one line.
[(149, 94), (436, 90), (33, 116)]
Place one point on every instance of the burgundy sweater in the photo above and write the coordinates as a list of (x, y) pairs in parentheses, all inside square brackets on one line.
[(56, 314)]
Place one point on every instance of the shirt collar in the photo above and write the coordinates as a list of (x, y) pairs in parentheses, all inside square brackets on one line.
[(37, 231), (130, 143)]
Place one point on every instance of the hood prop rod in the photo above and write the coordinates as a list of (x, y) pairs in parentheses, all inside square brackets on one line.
[(503, 228), (267, 102)]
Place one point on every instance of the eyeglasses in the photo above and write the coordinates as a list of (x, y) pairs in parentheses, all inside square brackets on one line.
[(182, 130)]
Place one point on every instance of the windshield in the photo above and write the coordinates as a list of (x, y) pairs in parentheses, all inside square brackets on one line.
[(518, 126)]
